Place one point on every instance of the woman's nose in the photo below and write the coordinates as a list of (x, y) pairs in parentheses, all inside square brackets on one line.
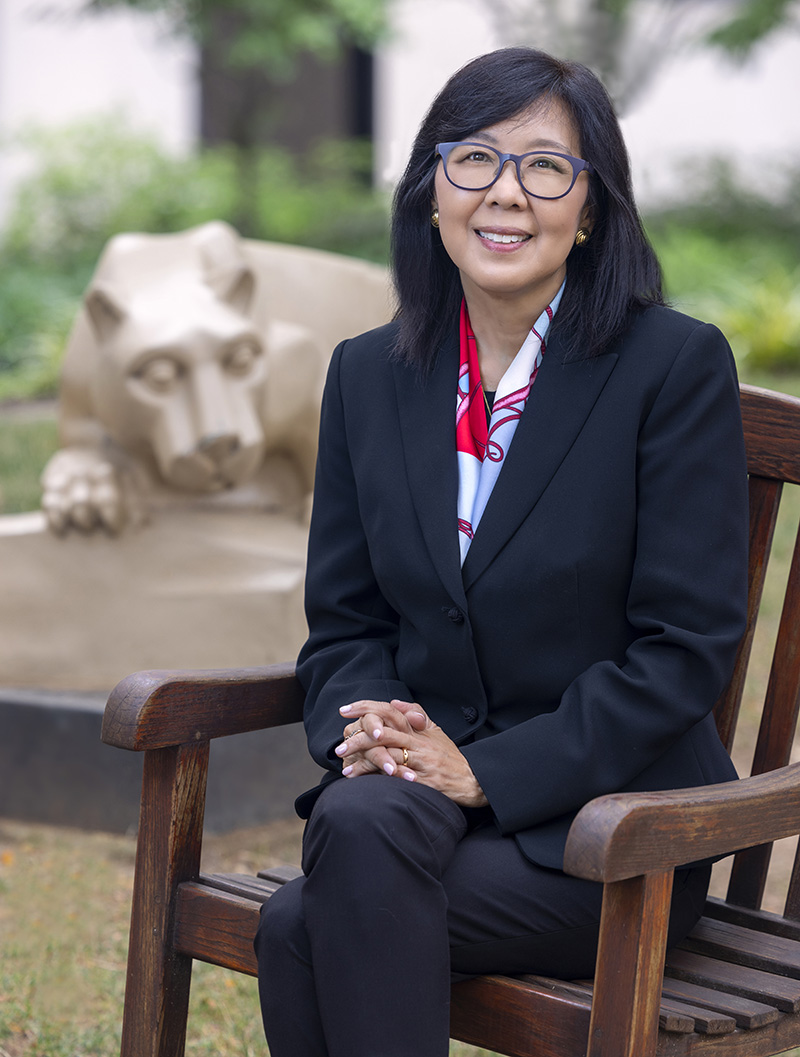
[(507, 187)]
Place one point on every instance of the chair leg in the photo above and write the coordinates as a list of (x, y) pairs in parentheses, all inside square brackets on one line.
[(168, 853), (630, 967)]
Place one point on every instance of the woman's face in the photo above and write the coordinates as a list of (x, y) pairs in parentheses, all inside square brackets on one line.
[(472, 224)]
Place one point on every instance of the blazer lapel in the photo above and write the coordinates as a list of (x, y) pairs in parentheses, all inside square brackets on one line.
[(427, 412), (559, 404)]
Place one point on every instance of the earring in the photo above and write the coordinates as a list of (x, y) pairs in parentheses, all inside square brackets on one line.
[(581, 236), (435, 217)]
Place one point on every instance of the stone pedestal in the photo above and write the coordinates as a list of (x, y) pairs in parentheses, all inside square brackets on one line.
[(54, 768), (193, 589)]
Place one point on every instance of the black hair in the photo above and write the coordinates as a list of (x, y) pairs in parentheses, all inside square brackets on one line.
[(613, 274)]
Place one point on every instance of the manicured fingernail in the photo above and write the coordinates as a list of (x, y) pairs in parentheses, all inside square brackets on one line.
[(389, 768), (341, 750), (347, 771), (409, 776), (346, 708), (376, 733)]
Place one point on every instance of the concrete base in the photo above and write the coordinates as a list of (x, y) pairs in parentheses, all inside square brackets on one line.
[(193, 589), (54, 768)]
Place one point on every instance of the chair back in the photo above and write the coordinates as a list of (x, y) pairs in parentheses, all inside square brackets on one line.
[(772, 439)]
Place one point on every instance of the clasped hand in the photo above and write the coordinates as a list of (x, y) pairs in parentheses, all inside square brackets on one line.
[(397, 738)]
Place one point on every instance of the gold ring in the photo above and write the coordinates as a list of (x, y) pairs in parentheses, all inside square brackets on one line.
[(405, 757), (352, 733)]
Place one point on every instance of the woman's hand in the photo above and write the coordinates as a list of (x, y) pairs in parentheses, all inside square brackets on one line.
[(364, 749), (379, 732)]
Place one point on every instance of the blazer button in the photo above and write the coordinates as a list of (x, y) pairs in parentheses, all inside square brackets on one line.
[(455, 614), (469, 713)]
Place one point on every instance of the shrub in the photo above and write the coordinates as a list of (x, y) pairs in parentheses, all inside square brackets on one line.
[(762, 321), (733, 258), (37, 309), (96, 178)]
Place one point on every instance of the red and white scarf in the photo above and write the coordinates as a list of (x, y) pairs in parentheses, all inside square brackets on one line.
[(481, 448)]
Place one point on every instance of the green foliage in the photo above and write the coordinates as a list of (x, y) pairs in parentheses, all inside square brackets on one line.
[(751, 23), (269, 34), (763, 321), (94, 180), (749, 287), (733, 258), (37, 308), (723, 209)]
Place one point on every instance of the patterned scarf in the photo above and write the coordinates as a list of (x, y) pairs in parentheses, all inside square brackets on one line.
[(481, 448)]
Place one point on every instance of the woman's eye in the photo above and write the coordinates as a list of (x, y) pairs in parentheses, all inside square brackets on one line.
[(160, 374), (241, 359), (546, 163)]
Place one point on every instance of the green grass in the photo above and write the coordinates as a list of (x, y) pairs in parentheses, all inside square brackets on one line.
[(64, 911), (26, 443)]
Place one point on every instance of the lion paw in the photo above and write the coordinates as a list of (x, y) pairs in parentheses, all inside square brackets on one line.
[(81, 489)]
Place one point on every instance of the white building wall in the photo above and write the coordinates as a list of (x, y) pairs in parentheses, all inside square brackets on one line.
[(699, 104), (56, 68)]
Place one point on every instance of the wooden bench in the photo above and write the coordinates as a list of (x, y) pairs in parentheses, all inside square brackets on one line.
[(732, 987)]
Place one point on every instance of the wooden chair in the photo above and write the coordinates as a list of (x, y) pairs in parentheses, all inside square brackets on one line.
[(732, 987)]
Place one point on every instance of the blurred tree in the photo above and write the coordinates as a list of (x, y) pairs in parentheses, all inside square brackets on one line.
[(269, 33), (626, 41), (251, 51)]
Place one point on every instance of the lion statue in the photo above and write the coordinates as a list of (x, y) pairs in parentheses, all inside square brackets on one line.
[(193, 375)]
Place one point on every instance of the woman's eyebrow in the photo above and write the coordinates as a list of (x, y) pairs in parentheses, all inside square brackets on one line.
[(534, 144)]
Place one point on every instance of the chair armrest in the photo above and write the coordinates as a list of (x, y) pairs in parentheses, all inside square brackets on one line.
[(628, 834), (156, 709)]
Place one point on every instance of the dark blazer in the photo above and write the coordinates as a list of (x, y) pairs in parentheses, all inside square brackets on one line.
[(595, 621)]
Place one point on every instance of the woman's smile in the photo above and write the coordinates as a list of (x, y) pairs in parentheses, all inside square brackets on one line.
[(502, 239)]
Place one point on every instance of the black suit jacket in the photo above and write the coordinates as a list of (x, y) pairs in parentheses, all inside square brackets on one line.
[(594, 623)]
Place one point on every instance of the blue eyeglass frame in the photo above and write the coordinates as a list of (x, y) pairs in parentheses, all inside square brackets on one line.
[(578, 166)]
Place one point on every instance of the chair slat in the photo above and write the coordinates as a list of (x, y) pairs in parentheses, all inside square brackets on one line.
[(519, 1018), (732, 943), (765, 497), (670, 1018), (779, 719), (792, 908), (748, 877), (760, 920), (773, 990), (281, 874), (216, 927), (706, 1021), (240, 884), (772, 433), (747, 1014)]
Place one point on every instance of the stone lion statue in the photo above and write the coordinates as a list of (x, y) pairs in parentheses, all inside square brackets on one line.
[(193, 375)]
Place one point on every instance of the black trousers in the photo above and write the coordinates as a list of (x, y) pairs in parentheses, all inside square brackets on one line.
[(403, 888)]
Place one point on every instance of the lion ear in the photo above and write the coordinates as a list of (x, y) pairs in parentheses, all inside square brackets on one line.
[(238, 288), (226, 269), (105, 309)]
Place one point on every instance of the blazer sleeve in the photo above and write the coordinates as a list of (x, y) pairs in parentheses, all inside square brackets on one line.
[(686, 608), (349, 655)]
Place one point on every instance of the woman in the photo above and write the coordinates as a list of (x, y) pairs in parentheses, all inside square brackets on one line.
[(526, 574)]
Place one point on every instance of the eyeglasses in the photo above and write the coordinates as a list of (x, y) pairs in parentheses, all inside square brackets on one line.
[(541, 173)]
